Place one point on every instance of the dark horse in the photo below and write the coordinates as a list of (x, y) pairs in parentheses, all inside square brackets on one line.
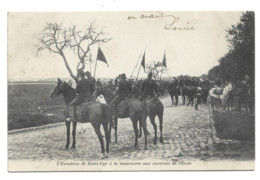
[(188, 89), (132, 108), (155, 108), (174, 90), (93, 112)]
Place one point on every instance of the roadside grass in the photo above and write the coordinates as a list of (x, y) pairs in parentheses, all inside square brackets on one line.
[(29, 105), (235, 125)]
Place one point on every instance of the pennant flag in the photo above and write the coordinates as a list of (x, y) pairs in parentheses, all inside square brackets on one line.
[(101, 57), (164, 61), (143, 61)]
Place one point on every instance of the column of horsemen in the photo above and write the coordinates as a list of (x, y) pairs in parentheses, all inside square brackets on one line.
[(127, 98), (189, 89)]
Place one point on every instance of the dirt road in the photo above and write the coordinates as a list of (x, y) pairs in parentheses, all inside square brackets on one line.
[(187, 135)]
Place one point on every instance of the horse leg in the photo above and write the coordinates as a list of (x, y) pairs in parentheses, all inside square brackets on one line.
[(105, 127), (172, 98), (189, 100), (109, 131), (68, 134), (140, 129), (134, 122), (183, 99), (116, 120), (228, 104), (161, 127), (143, 121), (100, 137), (74, 125), (176, 99), (152, 119), (212, 105)]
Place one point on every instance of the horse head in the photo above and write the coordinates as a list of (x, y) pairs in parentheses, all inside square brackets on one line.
[(98, 91), (227, 89), (60, 88), (105, 91)]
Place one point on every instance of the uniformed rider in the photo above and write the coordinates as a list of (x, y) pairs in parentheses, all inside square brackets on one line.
[(149, 88), (84, 90), (123, 92), (92, 81)]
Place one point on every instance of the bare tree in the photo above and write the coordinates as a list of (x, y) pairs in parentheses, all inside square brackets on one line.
[(55, 38), (156, 69)]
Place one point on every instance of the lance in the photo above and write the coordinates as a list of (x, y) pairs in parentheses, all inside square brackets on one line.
[(135, 65), (139, 68)]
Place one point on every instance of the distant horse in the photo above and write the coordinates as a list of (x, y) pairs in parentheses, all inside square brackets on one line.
[(174, 90), (189, 91), (93, 112), (223, 97), (132, 108)]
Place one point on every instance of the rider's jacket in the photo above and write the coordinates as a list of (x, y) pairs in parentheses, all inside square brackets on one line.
[(149, 87), (84, 88)]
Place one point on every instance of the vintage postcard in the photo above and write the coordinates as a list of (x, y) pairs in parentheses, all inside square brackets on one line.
[(131, 91)]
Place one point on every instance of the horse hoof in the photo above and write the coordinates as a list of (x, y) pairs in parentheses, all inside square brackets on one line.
[(140, 135), (155, 142), (73, 147), (161, 141), (145, 148), (66, 147)]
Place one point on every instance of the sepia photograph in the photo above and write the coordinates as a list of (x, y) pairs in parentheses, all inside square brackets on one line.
[(131, 91)]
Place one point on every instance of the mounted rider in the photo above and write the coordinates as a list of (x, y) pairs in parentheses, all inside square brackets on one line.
[(149, 88), (92, 81), (123, 92), (84, 91)]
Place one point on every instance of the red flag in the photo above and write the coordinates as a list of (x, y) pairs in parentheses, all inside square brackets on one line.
[(101, 57), (143, 61), (164, 61)]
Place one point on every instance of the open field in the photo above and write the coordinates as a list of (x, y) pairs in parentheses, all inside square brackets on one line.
[(29, 105)]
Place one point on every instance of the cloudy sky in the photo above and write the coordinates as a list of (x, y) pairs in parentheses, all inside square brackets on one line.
[(191, 52)]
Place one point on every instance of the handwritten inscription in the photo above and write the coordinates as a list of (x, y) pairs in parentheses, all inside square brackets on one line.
[(174, 22)]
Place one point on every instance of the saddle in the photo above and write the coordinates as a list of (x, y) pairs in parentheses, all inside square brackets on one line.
[(218, 91), (80, 110), (122, 107)]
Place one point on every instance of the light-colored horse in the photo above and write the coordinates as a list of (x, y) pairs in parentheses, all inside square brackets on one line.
[(222, 97)]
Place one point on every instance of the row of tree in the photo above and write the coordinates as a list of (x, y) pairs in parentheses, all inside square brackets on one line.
[(240, 59)]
